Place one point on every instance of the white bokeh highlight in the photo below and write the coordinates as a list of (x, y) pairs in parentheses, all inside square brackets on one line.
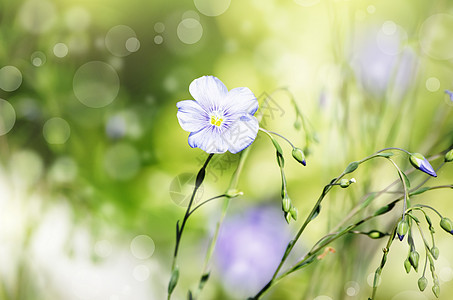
[(96, 84), (7, 117), (142, 247), (10, 78)]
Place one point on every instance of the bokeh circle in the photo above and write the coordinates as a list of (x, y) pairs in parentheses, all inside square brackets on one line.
[(10, 78), (7, 117), (435, 36), (96, 84)]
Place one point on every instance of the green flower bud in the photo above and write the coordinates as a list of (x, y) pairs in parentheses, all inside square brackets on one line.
[(298, 155), (375, 234), (293, 212), (413, 259), (232, 193), (344, 183), (173, 280), (436, 290), (422, 283), (351, 167), (288, 217), (407, 265), (449, 156), (447, 225), (435, 252), (402, 229), (286, 204)]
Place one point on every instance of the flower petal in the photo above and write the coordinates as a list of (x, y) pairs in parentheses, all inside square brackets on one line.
[(209, 140), (240, 100), (209, 91), (191, 116), (241, 133), (427, 168)]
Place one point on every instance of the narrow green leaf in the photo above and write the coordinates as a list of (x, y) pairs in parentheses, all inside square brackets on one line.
[(203, 280), (276, 145), (280, 160), (173, 280), (406, 179), (419, 191), (351, 167), (368, 200), (316, 213), (385, 209), (385, 154), (305, 263)]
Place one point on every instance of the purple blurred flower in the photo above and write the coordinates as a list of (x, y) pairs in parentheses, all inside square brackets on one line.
[(449, 93), (249, 249), (380, 62)]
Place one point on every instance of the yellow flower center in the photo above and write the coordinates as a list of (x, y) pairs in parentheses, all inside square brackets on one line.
[(217, 121)]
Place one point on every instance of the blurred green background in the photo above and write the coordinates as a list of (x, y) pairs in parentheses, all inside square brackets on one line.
[(95, 169)]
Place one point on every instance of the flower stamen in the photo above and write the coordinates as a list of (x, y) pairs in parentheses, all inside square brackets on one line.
[(217, 121)]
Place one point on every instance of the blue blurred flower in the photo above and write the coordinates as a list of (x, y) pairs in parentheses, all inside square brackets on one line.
[(249, 249), (218, 120), (421, 163), (381, 61), (449, 93)]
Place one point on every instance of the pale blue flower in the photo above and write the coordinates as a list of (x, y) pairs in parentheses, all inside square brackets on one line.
[(450, 94), (218, 120)]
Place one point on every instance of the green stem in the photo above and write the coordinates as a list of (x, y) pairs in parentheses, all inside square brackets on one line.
[(232, 186), (180, 230), (403, 181), (378, 272), (291, 244), (204, 202), (268, 132)]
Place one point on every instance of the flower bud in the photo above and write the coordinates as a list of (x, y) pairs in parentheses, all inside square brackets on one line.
[(173, 280), (375, 234), (449, 156), (421, 163), (286, 204), (436, 290), (422, 283), (402, 229), (446, 225), (351, 167), (232, 193), (413, 259), (298, 155), (293, 212), (288, 217), (435, 252), (407, 265), (344, 183)]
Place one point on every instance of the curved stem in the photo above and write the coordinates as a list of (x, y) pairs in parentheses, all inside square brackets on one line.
[(403, 181), (277, 134), (206, 201)]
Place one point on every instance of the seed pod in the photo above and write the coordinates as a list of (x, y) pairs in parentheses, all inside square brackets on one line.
[(422, 283)]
